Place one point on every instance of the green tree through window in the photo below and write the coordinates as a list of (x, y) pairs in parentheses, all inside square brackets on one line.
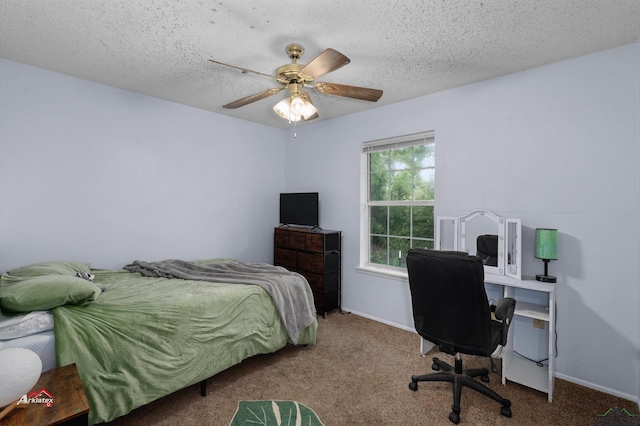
[(400, 198)]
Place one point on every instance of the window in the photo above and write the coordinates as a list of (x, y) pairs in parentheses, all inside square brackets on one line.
[(398, 199)]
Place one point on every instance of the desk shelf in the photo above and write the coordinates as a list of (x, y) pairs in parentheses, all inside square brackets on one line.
[(515, 368), (532, 310)]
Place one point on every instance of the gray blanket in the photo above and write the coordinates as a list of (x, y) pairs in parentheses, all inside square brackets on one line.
[(290, 291)]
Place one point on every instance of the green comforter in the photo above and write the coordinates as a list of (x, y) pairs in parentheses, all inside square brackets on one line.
[(144, 338)]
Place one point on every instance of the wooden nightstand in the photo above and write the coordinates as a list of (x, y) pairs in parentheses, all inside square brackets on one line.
[(70, 406)]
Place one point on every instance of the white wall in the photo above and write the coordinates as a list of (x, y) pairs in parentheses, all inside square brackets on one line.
[(557, 146), (102, 175)]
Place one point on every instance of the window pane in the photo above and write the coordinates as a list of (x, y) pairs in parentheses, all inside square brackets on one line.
[(401, 185), (419, 243), (424, 185), (424, 156), (423, 222), (379, 220), (401, 159), (400, 221), (398, 248), (379, 161), (378, 252), (379, 186)]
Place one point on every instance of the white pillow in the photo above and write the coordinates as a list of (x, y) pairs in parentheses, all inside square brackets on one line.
[(25, 325)]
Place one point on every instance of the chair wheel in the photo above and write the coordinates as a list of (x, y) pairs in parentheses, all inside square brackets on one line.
[(505, 411), (435, 367), (454, 418), (485, 378), (413, 386)]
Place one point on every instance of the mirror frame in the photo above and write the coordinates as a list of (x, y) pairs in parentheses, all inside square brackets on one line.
[(513, 248), (468, 246), (451, 235), (446, 240)]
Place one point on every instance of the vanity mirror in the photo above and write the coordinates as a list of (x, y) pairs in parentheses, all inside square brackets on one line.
[(496, 240)]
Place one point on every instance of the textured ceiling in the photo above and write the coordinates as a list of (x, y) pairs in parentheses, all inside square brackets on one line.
[(406, 48)]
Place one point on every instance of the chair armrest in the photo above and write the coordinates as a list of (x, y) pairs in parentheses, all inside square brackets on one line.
[(504, 312), (504, 309)]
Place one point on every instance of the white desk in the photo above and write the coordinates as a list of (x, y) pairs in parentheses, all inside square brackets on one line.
[(515, 368)]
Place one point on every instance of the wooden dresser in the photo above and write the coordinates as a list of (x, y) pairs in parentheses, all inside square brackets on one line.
[(315, 254)]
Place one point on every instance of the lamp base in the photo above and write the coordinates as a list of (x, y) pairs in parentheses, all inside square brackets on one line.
[(546, 278)]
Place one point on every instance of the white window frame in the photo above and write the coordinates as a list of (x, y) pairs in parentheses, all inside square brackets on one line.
[(414, 139)]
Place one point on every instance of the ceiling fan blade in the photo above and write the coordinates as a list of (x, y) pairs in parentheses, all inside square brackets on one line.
[(251, 98), (244, 70), (327, 61), (355, 92)]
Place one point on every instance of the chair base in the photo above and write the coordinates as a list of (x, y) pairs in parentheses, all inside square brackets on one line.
[(459, 378)]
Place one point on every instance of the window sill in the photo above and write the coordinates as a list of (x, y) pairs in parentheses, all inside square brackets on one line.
[(380, 271)]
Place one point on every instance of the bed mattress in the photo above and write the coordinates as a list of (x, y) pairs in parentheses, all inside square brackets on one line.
[(42, 344)]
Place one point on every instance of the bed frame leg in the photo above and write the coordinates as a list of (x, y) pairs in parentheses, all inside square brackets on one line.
[(203, 388)]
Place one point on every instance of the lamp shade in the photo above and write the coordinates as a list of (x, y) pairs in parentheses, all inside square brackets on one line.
[(283, 109), (20, 370), (294, 108), (547, 243)]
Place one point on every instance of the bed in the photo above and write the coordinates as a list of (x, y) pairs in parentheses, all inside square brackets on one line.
[(138, 338)]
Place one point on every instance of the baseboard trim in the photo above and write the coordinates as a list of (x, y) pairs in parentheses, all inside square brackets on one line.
[(603, 389), (393, 324), (571, 379)]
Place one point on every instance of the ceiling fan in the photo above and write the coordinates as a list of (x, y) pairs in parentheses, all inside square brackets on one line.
[(296, 77)]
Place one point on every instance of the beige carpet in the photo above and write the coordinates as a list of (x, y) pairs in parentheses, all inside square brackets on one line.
[(358, 374)]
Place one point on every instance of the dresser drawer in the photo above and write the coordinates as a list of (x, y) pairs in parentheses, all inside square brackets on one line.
[(323, 283), (290, 239), (316, 281), (286, 258), (331, 281), (326, 302), (318, 263), (314, 243), (282, 238), (297, 240)]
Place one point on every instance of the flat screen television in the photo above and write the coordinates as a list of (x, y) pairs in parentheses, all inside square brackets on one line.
[(299, 208)]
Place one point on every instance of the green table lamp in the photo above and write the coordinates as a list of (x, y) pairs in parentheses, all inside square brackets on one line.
[(546, 249)]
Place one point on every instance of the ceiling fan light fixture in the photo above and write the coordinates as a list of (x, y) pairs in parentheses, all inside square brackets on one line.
[(283, 109), (295, 108), (309, 110)]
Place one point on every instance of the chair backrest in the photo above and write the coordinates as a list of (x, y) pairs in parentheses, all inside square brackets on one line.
[(450, 306), (487, 249)]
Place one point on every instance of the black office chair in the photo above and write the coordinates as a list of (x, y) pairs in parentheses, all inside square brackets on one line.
[(450, 309)]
